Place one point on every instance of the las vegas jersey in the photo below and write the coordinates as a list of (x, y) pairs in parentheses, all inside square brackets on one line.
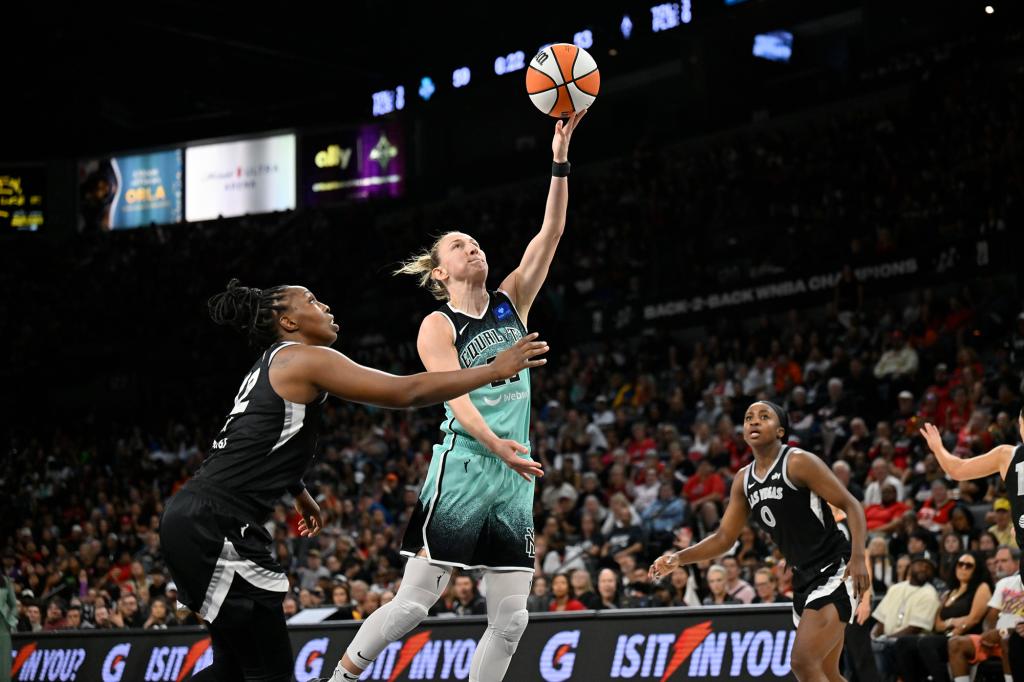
[(799, 522), (1015, 491), (264, 448)]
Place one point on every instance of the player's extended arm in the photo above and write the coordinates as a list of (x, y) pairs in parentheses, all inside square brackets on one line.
[(996, 460), (314, 369), (808, 470), (437, 351), (525, 281), (714, 545)]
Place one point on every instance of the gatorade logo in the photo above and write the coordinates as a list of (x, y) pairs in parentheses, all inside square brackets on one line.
[(114, 663), (33, 664), (559, 656), (175, 663), (310, 662)]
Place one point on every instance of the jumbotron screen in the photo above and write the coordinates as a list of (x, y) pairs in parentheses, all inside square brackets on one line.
[(22, 198), (356, 163)]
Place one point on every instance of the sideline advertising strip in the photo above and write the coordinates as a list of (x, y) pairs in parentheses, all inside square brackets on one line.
[(724, 643)]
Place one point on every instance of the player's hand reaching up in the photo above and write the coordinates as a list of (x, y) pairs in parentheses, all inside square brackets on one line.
[(509, 451), (522, 355), (311, 522), (563, 132)]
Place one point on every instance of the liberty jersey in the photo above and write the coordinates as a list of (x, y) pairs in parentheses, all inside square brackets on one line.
[(264, 447), (504, 404), (799, 522)]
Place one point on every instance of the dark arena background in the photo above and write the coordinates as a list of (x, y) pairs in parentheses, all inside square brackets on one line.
[(818, 203)]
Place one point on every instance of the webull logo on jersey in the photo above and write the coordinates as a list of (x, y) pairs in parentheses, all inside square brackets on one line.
[(711, 655), (558, 657), (114, 663), (34, 664), (176, 663), (309, 664), (496, 339), (422, 658)]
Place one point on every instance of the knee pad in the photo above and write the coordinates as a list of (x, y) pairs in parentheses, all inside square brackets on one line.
[(511, 631), (403, 616)]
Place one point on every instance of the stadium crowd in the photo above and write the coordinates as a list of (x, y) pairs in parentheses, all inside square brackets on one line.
[(640, 436)]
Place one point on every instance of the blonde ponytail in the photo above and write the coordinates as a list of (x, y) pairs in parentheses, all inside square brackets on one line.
[(421, 265)]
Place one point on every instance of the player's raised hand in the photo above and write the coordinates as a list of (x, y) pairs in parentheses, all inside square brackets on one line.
[(509, 451), (933, 437), (519, 357), (663, 566), (563, 133)]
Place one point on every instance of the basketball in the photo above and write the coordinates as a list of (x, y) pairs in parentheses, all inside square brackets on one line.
[(562, 79)]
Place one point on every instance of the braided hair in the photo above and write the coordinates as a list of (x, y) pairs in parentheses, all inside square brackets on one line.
[(250, 310)]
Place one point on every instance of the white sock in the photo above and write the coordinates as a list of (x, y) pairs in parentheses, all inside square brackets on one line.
[(962, 678), (1007, 678)]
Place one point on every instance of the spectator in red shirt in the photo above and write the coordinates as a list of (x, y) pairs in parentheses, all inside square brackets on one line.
[(562, 598), (640, 442), (957, 411), (704, 486), (934, 513), (974, 438), (885, 516)]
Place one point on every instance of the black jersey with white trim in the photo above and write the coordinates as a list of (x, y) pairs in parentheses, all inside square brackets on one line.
[(799, 522), (1015, 491), (264, 448)]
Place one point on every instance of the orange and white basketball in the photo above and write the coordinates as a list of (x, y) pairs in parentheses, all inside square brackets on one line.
[(562, 79)]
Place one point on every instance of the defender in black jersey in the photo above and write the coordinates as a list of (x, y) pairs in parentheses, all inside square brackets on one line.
[(212, 532), (1005, 460), (787, 491)]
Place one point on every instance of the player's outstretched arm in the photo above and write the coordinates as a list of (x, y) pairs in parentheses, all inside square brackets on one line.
[(525, 281), (805, 469), (325, 369), (995, 461), (714, 545), (437, 351)]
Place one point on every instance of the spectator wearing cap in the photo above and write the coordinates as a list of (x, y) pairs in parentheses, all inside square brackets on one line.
[(603, 416), (1003, 527), (313, 571), (908, 609), (964, 605)]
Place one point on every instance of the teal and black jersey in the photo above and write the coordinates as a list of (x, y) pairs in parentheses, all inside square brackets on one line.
[(504, 405)]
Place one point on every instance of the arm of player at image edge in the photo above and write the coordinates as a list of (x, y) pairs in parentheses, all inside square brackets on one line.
[(809, 470), (437, 351), (996, 460), (526, 280), (714, 545), (330, 371)]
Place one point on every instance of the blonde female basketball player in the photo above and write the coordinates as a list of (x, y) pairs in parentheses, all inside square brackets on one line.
[(476, 507)]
